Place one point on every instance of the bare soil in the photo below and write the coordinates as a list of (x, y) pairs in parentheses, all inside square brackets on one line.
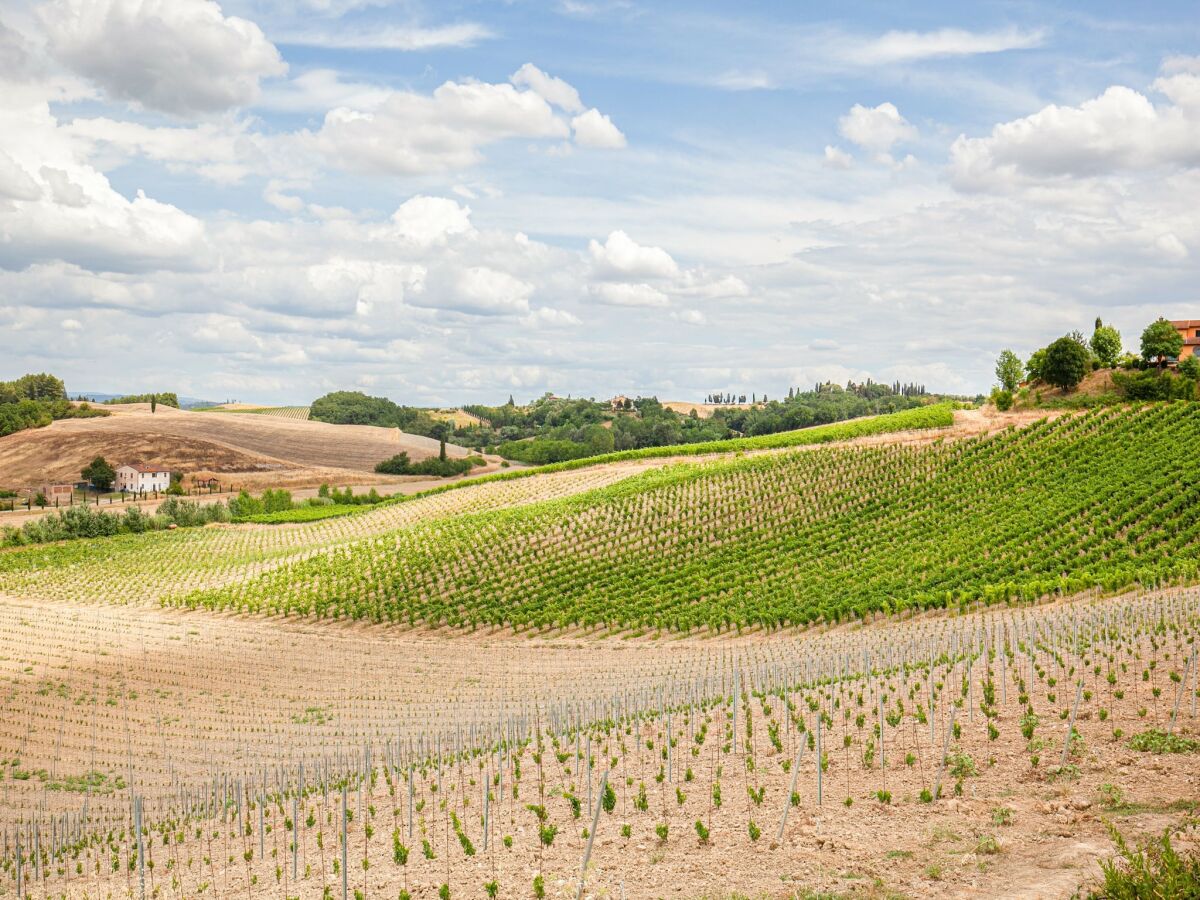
[(174, 698)]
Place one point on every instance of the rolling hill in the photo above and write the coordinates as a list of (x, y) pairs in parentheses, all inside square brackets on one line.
[(770, 535), (291, 450), (1103, 499)]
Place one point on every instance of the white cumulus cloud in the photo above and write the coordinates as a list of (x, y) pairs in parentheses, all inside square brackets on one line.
[(621, 255), (411, 133), (553, 90), (594, 129), (875, 129), (183, 57), (1120, 130), (488, 292), (426, 221)]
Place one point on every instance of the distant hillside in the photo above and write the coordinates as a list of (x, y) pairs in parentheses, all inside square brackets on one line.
[(98, 397), (289, 450)]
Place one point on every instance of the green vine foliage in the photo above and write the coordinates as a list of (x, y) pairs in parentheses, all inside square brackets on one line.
[(1102, 499)]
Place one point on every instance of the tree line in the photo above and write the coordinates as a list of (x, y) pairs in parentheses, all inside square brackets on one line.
[(34, 401), (1065, 362)]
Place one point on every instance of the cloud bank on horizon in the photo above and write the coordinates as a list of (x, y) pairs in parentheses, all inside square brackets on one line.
[(447, 203)]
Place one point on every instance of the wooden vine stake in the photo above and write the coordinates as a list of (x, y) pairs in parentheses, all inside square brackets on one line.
[(1071, 724), (587, 852)]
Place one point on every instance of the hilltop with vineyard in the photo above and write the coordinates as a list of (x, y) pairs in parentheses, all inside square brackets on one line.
[(925, 650)]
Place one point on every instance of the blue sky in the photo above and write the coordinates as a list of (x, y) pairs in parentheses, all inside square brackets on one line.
[(446, 203)]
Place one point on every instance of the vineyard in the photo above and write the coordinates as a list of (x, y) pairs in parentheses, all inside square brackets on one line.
[(923, 664), (283, 412), (162, 566), (785, 539), (943, 755)]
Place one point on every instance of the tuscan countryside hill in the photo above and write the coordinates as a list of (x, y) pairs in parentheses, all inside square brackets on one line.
[(252, 450), (685, 628), (671, 450)]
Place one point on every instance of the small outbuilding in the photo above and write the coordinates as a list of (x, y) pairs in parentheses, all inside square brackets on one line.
[(57, 494)]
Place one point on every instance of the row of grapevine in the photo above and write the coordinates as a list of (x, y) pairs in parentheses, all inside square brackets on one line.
[(1104, 499)]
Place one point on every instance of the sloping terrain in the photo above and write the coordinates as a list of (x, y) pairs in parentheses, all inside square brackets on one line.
[(1104, 499), (981, 754), (195, 441), (163, 565)]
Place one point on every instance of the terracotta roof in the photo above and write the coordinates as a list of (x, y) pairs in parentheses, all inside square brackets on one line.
[(147, 470), (1185, 323)]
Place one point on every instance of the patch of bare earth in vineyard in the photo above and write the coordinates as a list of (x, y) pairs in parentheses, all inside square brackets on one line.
[(487, 753)]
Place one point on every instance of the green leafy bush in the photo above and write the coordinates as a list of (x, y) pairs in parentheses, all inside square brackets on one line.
[(1156, 870), (1157, 741)]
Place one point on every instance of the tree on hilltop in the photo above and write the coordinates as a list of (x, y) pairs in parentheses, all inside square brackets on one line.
[(1009, 370), (1160, 341), (1066, 362), (1106, 344), (1037, 365)]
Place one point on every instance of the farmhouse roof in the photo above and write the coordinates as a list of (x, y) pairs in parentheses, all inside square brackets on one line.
[(147, 470)]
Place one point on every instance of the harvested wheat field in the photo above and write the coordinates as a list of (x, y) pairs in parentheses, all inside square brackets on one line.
[(297, 450)]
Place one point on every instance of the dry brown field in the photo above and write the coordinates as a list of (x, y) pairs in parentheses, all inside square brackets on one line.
[(703, 410), (259, 450)]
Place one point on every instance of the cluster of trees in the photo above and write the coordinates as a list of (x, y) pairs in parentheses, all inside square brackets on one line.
[(828, 403), (440, 466), (552, 429), (245, 504), (556, 430), (1065, 362), (728, 398), (166, 398), (347, 497), (34, 401), (356, 408)]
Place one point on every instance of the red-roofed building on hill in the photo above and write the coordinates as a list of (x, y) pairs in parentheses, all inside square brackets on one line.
[(1189, 330), (142, 479)]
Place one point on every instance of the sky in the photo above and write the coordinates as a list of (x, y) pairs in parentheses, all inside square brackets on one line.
[(454, 202)]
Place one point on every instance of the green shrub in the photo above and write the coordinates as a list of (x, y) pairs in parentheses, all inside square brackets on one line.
[(400, 464), (1156, 870)]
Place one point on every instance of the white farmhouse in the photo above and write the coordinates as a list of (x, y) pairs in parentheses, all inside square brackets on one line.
[(141, 479)]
